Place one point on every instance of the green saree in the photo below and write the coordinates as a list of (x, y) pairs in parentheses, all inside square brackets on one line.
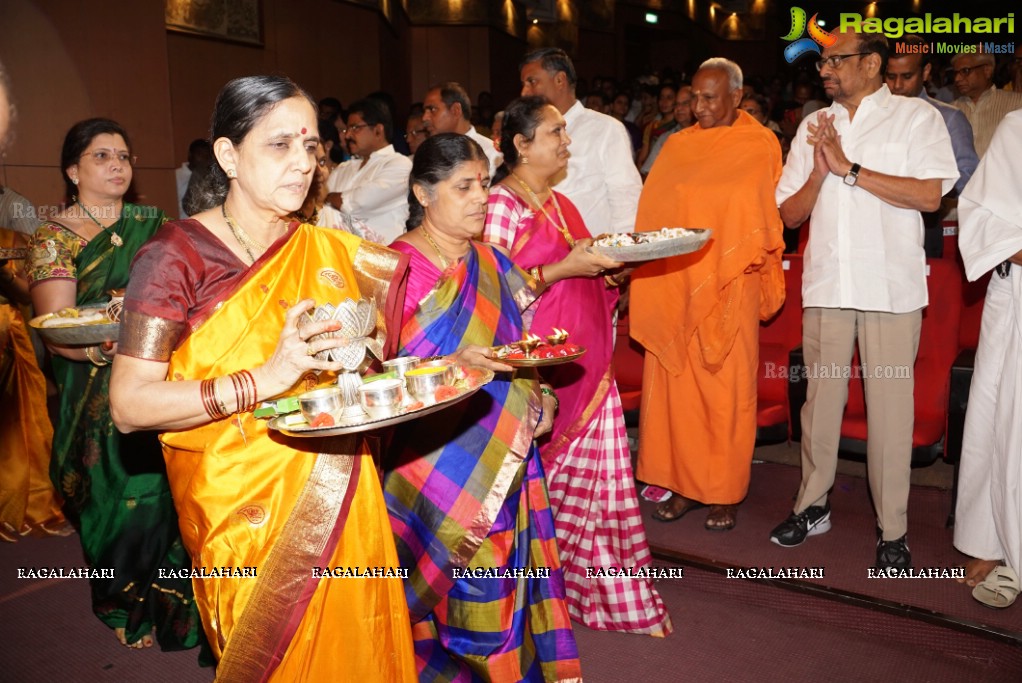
[(114, 485)]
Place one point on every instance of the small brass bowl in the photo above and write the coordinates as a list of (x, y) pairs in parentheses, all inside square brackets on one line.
[(401, 365), (326, 400), (423, 381), (381, 398)]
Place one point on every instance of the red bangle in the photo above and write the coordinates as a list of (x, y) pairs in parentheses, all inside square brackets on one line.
[(251, 393), (238, 391)]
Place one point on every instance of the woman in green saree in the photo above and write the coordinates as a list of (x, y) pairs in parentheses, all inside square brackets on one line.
[(114, 486)]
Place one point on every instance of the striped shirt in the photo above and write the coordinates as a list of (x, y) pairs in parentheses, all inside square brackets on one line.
[(987, 112)]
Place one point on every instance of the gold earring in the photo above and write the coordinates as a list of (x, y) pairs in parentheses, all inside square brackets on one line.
[(525, 160), (231, 173)]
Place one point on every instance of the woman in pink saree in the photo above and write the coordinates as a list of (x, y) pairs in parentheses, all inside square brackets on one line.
[(587, 461)]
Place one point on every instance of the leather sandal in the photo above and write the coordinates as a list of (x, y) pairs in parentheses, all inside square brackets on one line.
[(687, 506)]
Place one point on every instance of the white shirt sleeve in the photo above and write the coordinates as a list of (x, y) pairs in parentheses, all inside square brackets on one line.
[(389, 183), (624, 184)]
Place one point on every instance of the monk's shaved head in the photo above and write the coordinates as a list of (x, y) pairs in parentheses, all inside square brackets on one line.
[(714, 100)]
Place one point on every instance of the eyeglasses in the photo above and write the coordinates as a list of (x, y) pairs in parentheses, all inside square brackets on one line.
[(101, 157), (834, 61), (354, 128), (966, 70), (416, 133)]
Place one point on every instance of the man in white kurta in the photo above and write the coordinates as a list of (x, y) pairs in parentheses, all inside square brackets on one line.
[(447, 109), (601, 179), (373, 187), (988, 517), (863, 168)]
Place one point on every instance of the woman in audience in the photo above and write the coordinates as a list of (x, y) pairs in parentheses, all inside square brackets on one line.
[(663, 124), (114, 486), (211, 328), (466, 490), (587, 461)]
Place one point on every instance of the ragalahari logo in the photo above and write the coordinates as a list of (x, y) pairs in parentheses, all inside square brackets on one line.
[(818, 38)]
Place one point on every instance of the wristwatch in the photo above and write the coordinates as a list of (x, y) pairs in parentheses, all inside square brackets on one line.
[(853, 175)]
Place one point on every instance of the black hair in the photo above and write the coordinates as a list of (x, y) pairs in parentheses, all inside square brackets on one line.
[(239, 107), (78, 140), (199, 144), (451, 93), (876, 43), (924, 56), (374, 112), (434, 162), (332, 102), (552, 59), (521, 117)]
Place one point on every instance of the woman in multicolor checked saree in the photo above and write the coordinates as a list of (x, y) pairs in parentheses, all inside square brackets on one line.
[(465, 490), (586, 458)]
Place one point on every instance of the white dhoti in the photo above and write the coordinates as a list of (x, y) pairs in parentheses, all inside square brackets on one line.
[(988, 518)]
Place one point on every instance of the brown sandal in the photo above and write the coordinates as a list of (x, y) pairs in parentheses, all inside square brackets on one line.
[(721, 517), (668, 512)]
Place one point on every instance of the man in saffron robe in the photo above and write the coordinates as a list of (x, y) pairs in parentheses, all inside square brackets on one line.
[(698, 314)]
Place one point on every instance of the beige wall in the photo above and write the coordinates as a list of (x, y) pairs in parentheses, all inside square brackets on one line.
[(330, 49), (69, 60)]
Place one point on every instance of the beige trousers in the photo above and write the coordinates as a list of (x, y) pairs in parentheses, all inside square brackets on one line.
[(888, 343)]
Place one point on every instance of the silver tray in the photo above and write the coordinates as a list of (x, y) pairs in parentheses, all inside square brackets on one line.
[(77, 335), (364, 423), (674, 246)]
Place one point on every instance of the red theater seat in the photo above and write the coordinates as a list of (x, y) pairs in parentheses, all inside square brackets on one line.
[(628, 356), (938, 348), (777, 338)]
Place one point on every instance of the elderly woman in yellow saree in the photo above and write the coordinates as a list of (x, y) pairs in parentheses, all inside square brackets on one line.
[(211, 329)]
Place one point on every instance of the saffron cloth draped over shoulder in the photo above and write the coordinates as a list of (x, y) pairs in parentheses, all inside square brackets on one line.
[(282, 509), (709, 178), (698, 314), (466, 494)]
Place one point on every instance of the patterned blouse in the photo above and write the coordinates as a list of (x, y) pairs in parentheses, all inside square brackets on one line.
[(54, 250)]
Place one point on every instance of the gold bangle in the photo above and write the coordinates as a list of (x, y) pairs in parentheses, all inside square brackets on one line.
[(98, 362), (219, 399)]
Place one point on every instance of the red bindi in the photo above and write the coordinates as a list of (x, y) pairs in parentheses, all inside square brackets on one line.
[(304, 130)]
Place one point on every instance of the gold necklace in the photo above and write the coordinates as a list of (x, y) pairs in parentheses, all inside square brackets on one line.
[(115, 239), (563, 227), (244, 239), (429, 238)]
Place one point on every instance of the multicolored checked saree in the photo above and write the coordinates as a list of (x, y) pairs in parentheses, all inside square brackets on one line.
[(467, 497), (248, 499)]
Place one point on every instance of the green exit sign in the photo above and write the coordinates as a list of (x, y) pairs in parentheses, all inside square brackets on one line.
[(651, 18)]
